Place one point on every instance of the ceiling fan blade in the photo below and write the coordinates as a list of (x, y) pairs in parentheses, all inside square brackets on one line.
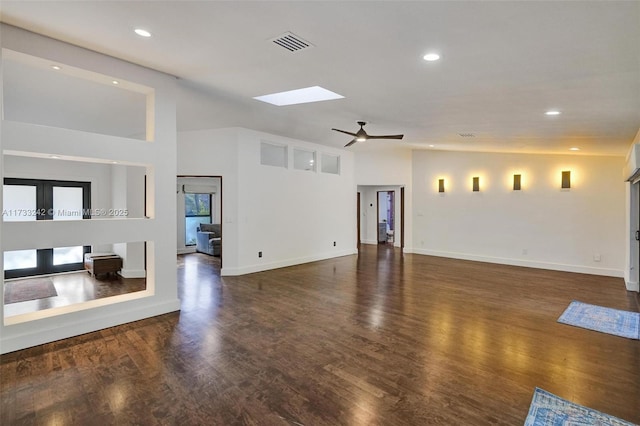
[(385, 137), (351, 143), (345, 132)]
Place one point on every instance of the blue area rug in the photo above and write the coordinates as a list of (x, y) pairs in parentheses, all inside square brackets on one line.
[(548, 409), (604, 320)]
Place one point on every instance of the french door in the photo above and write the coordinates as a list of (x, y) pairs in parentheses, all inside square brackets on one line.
[(31, 200)]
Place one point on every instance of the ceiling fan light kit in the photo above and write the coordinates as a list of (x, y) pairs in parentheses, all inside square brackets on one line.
[(362, 136)]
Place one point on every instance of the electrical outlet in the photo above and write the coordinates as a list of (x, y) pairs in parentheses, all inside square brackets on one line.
[(597, 257), (525, 251), (259, 254), (334, 243)]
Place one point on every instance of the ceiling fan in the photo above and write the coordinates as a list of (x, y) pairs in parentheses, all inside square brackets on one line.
[(361, 135)]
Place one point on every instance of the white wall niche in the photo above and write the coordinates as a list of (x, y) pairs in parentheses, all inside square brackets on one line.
[(75, 290), (117, 188), (158, 161), (73, 98)]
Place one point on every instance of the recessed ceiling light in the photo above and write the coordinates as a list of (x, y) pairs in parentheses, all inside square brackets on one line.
[(114, 162), (299, 96), (142, 33), (431, 146), (54, 156), (431, 57), (575, 148), (552, 112), (56, 67), (116, 82)]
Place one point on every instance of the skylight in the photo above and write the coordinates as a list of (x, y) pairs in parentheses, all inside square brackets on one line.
[(299, 96)]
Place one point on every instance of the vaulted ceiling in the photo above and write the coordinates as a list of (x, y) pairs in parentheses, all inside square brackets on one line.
[(502, 66)]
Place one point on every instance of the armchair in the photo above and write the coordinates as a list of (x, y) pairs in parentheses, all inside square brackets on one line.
[(209, 239)]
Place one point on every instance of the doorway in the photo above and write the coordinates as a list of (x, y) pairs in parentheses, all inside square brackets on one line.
[(199, 202), (358, 219), (369, 216), (386, 217)]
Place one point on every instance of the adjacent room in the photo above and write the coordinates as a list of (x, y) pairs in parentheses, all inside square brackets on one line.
[(320, 213)]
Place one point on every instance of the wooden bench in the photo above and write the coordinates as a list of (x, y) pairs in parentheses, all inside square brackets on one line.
[(102, 263)]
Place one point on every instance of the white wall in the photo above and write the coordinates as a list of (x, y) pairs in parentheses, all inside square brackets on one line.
[(158, 157), (291, 216), (540, 226), (384, 169), (215, 153)]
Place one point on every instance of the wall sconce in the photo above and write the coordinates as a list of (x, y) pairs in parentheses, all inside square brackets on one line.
[(440, 185), (476, 184), (566, 180), (517, 182)]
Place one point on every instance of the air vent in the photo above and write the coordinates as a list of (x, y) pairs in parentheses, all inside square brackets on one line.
[(291, 42), (467, 135)]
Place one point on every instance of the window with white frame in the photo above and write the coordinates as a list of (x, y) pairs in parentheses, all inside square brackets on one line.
[(304, 160), (273, 155), (330, 164)]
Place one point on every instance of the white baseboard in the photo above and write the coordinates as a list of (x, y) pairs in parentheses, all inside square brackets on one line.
[(132, 273), (186, 250), (608, 272), (632, 286), (374, 242), (284, 263), (43, 331)]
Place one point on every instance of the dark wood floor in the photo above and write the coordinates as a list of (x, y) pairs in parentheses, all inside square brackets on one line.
[(378, 338)]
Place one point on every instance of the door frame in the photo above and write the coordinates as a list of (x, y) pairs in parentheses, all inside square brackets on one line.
[(393, 213), (358, 201), (402, 217)]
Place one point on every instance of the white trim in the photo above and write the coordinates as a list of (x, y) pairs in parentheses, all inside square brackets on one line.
[(187, 250), (632, 286), (375, 243), (608, 272), (284, 263), (132, 273), (45, 331)]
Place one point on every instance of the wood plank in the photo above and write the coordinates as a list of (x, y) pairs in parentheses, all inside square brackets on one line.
[(378, 338)]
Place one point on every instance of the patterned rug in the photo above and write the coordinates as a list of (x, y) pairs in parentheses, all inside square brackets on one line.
[(20, 291), (548, 409), (604, 320)]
